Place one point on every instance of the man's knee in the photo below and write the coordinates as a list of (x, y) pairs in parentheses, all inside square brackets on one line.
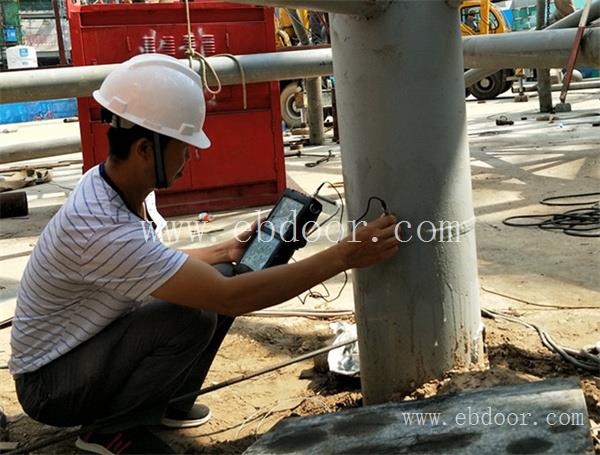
[(188, 325), (197, 326)]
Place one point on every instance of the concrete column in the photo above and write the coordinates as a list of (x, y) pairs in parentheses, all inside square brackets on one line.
[(543, 74), (400, 95)]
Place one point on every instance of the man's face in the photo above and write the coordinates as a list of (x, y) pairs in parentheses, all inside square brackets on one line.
[(176, 154)]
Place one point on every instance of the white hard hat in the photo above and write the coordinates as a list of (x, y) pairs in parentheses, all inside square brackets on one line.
[(159, 93)]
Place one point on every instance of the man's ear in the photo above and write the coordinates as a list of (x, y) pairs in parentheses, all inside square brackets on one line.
[(142, 148)]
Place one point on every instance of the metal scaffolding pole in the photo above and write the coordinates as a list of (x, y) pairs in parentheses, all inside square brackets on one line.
[(543, 74), (403, 130), (312, 86)]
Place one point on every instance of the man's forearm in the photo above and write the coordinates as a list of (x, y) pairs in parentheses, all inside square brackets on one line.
[(256, 290), (214, 254)]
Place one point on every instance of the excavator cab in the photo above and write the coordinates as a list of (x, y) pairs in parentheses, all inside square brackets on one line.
[(480, 17)]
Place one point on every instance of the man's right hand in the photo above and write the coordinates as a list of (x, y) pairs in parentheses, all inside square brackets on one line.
[(370, 244)]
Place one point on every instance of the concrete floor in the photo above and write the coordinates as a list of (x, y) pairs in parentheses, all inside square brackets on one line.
[(513, 168)]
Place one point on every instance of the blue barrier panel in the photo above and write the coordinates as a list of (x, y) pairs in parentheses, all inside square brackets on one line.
[(37, 110)]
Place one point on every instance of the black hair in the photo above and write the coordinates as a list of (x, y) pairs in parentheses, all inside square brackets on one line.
[(120, 140)]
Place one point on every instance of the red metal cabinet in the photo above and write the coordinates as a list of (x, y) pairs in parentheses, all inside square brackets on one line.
[(245, 164)]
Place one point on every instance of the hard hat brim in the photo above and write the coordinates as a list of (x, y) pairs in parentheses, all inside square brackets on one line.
[(200, 140)]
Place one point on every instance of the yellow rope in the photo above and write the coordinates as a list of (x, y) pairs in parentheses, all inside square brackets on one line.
[(204, 63)]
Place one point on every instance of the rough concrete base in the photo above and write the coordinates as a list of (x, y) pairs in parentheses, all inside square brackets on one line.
[(543, 417)]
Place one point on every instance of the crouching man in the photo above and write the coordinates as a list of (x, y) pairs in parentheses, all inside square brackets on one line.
[(109, 325)]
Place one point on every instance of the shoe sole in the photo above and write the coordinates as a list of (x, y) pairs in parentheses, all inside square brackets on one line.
[(171, 423), (90, 447)]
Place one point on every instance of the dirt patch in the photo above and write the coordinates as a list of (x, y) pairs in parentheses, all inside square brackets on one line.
[(243, 412)]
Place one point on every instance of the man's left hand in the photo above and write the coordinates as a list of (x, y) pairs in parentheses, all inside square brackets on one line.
[(236, 246)]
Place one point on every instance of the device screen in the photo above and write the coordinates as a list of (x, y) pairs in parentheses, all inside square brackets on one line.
[(286, 212), (259, 252)]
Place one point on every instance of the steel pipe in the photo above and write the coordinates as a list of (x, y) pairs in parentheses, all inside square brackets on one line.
[(40, 149), (474, 75), (365, 8), (522, 49), (56, 83), (545, 49), (585, 85), (543, 74), (312, 86), (404, 139)]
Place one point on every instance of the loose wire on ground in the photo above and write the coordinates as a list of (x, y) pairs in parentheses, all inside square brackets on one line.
[(316, 314), (541, 305), (584, 358), (580, 222)]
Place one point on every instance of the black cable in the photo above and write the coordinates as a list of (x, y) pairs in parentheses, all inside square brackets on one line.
[(371, 199), (6, 323), (569, 196), (310, 293), (580, 222)]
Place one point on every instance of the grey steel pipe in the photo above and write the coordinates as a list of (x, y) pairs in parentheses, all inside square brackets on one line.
[(365, 8), (312, 86), (545, 90), (40, 149), (315, 111), (403, 131), (474, 75), (585, 85), (543, 74), (547, 49), (54, 83)]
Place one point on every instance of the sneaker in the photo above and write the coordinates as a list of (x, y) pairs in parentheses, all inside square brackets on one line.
[(134, 441), (196, 416)]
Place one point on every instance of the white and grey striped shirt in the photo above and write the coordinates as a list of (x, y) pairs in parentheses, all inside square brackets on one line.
[(94, 262)]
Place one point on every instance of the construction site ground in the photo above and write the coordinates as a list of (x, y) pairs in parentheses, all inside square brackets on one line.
[(541, 276)]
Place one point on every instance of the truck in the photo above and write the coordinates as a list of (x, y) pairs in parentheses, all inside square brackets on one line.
[(471, 14)]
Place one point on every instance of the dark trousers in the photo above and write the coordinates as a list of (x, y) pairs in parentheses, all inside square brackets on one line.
[(124, 376)]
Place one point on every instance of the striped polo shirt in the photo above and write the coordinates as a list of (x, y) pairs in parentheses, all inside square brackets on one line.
[(95, 261)]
